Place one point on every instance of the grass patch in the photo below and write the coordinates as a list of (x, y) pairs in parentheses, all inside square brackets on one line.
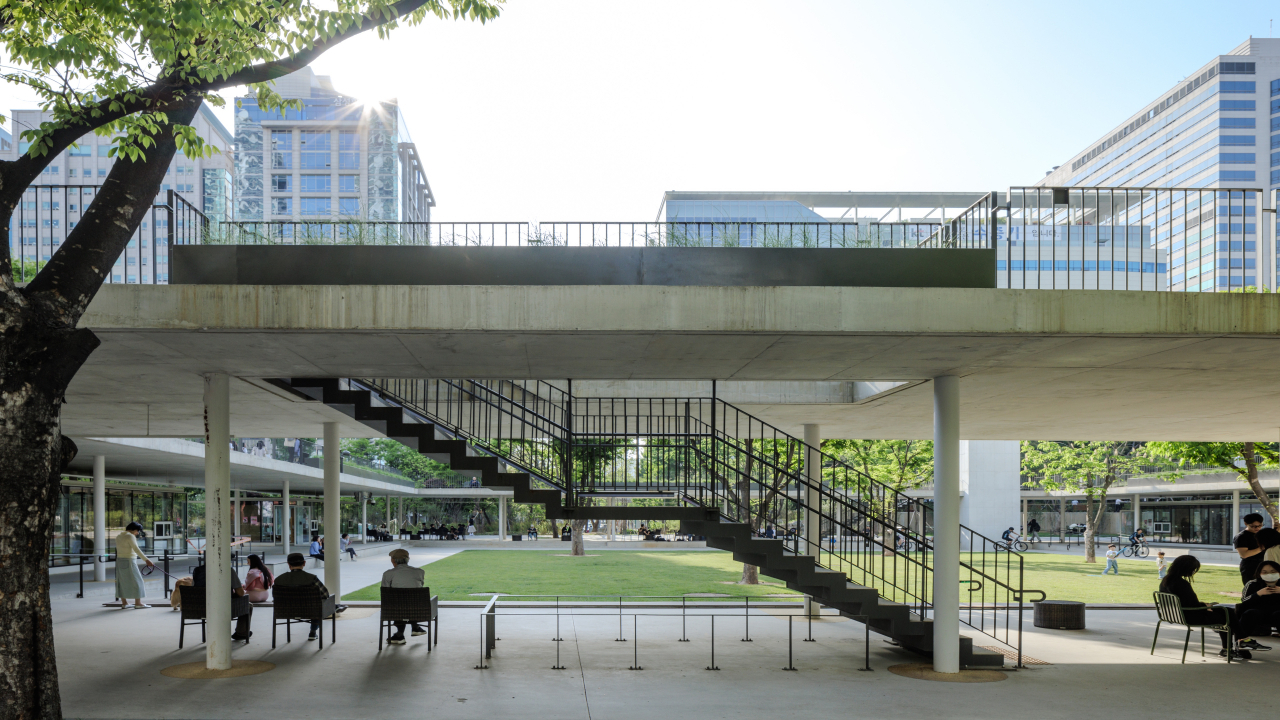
[(615, 572), (522, 572)]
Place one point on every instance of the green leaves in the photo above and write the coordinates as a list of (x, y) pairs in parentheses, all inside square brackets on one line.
[(901, 464), (1088, 467)]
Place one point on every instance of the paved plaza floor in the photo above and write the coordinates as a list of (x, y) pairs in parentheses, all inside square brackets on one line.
[(110, 662)]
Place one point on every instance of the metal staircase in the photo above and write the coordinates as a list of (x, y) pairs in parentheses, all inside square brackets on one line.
[(720, 472)]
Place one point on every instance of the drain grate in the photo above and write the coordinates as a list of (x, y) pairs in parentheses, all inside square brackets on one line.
[(1013, 655)]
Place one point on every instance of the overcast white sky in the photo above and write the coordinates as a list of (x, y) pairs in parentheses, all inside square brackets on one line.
[(589, 110)]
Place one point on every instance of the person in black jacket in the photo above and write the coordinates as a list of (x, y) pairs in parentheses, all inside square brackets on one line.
[(1178, 582), (1260, 601)]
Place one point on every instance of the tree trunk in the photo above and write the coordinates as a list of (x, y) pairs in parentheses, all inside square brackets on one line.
[(578, 527), (1090, 528), (1251, 477), (750, 575)]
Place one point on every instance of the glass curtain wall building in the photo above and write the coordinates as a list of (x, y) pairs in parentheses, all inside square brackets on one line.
[(336, 157), (1218, 129)]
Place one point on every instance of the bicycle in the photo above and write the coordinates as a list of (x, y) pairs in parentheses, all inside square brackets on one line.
[(1138, 549), (1014, 544)]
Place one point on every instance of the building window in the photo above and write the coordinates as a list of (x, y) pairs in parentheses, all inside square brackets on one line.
[(1237, 86), (1237, 105), (348, 142), (102, 172), (315, 183), (282, 206), (351, 183), (1238, 122), (348, 161), (1238, 139), (351, 206), (316, 206), (315, 161), (281, 161), (50, 170), (281, 183), (282, 140), (104, 151), (1236, 68), (1237, 176), (315, 140), (1237, 158), (80, 150)]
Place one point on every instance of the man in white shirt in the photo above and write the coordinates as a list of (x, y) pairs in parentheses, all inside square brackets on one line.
[(403, 575)]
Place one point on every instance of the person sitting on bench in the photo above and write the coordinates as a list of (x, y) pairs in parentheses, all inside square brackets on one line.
[(299, 577), (242, 631), (403, 575)]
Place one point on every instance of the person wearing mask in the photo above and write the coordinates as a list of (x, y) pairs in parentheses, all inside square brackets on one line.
[(1247, 547), (258, 580), (403, 575), (1260, 603), (299, 577), (1178, 582), (344, 545), (242, 632), (128, 577), (1112, 563)]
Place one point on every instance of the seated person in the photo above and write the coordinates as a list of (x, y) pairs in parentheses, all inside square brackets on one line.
[(1260, 603), (1178, 582), (242, 632), (403, 575), (344, 545), (299, 577), (257, 582), (769, 533), (316, 550)]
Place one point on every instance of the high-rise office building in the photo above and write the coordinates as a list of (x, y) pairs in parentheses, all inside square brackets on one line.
[(52, 207), (1218, 129), (335, 158)]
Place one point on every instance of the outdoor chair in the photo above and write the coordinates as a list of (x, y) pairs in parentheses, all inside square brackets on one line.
[(300, 604), (409, 605), (1170, 610), (194, 610)]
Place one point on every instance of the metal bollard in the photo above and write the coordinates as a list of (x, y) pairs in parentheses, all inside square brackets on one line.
[(746, 615), (684, 623), (790, 662), (712, 666)]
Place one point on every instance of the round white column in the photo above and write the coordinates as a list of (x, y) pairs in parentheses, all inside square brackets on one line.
[(946, 524), (813, 500), (332, 509), (99, 518), (217, 511)]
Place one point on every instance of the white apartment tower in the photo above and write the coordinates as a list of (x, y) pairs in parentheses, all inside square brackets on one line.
[(1218, 129)]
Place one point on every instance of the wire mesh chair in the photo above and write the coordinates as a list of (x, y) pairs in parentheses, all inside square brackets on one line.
[(301, 604), (409, 605), (1169, 610)]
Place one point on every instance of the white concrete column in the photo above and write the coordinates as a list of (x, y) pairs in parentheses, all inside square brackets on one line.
[(1023, 519), (286, 524), (217, 509), (1062, 518), (946, 524), (332, 509), (1235, 513), (364, 518), (99, 518), (813, 501), (502, 519)]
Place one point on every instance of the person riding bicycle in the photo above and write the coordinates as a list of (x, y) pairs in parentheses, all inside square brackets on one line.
[(1137, 537), (1010, 537)]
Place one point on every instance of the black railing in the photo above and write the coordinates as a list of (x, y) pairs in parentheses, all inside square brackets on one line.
[(706, 452), (47, 214), (353, 231)]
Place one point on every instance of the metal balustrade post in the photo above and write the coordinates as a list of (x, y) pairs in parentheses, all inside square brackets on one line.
[(712, 666), (684, 620), (746, 616), (635, 645), (620, 638), (791, 665)]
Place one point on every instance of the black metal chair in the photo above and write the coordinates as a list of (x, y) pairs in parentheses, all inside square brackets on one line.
[(409, 605), (1169, 610), (301, 604), (195, 611)]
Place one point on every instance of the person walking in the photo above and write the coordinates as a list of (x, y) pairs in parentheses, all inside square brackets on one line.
[(128, 577), (1162, 565), (1112, 563)]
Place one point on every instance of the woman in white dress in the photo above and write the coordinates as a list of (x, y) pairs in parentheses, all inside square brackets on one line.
[(128, 578)]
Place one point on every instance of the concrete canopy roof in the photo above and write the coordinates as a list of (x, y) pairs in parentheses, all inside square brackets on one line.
[(1035, 364)]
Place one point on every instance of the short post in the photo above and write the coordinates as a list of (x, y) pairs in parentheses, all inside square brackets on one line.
[(620, 638), (558, 638), (810, 638), (712, 666), (791, 665), (166, 572), (635, 647), (866, 645), (684, 621), (81, 571), (746, 616)]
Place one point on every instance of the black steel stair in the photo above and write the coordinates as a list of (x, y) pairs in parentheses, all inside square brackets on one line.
[(800, 572)]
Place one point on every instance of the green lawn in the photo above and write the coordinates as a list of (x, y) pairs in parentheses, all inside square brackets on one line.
[(1067, 577), (614, 572), (610, 572)]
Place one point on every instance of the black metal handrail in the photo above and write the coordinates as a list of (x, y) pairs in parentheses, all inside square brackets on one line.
[(709, 453)]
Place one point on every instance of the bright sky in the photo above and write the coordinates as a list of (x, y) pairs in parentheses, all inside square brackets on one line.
[(589, 110)]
